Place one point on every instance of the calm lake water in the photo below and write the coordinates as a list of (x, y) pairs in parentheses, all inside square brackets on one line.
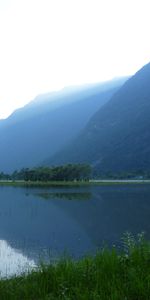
[(45, 223)]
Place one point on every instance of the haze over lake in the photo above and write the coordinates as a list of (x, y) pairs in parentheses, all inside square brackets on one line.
[(47, 223)]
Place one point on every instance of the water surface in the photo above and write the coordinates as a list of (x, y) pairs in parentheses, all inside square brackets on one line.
[(45, 223)]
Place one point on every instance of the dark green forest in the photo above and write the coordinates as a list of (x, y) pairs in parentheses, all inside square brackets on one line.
[(69, 172)]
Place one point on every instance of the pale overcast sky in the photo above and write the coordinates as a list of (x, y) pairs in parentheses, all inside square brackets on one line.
[(48, 44)]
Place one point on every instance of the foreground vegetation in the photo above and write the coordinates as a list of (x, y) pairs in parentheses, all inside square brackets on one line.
[(108, 275)]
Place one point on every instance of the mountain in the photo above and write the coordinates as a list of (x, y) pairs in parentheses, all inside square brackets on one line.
[(117, 137), (48, 123)]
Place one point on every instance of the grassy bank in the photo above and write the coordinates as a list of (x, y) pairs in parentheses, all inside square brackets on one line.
[(70, 183), (44, 183), (106, 276)]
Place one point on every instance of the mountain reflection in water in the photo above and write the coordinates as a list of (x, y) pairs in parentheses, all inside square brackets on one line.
[(48, 222)]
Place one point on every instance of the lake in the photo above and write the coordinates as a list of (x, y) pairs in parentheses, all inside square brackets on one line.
[(46, 223)]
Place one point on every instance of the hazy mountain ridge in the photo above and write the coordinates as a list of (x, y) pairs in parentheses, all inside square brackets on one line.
[(117, 138), (43, 127)]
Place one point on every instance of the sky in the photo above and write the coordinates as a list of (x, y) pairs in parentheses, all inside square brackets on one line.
[(46, 45)]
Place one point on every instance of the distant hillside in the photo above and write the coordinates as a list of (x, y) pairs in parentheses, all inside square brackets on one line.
[(117, 137), (48, 123)]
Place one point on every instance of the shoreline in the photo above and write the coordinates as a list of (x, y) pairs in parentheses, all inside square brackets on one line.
[(92, 182), (106, 275)]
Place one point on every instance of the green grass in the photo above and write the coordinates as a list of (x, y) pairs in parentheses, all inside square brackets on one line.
[(68, 183), (108, 275), (44, 183)]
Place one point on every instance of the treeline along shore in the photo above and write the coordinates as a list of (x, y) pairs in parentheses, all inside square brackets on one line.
[(70, 174)]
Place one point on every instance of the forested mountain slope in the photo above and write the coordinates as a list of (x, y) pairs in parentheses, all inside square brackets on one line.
[(48, 123), (117, 137)]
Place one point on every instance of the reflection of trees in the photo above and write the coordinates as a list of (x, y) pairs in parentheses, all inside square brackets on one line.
[(111, 212), (65, 196), (34, 224)]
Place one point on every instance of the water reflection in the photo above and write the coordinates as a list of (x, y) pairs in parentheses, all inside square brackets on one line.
[(38, 228), (66, 196)]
